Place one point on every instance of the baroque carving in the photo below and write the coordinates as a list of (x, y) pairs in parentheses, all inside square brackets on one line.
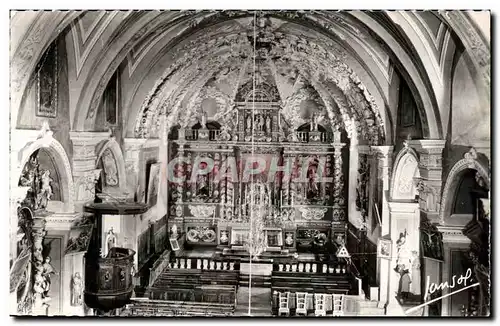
[(201, 211), (353, 99), (110, 168), (310, 213)]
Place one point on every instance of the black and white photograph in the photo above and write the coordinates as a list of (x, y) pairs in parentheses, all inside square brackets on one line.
[(250, 163)]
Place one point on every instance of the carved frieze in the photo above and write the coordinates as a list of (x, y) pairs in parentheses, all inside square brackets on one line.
[(201, 211), (310, 213)]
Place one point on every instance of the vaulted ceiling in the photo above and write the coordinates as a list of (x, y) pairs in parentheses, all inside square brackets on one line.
[(176, 62)]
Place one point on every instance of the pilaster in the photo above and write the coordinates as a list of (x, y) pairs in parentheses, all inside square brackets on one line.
[(132, 156), (383, 156), (430, 166), (84, 163)]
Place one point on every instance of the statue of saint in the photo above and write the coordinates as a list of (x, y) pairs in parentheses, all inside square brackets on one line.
[(204, 120), (110, 240), (47, 271), (76, 290), (268, 124)]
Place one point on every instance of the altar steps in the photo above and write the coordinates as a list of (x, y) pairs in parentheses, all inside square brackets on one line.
[(257, 281)]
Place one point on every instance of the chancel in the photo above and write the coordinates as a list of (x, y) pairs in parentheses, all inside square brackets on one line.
[(250, 163)]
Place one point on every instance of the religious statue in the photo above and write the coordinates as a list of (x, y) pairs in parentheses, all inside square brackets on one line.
[(249, 123), (173, 232), (204, 120), (45, 192), (76, 290), (47, 271), (268, 124), (202, 182), (314, 122), (110, 240), (260, 123), (312, 187), (404, 257)]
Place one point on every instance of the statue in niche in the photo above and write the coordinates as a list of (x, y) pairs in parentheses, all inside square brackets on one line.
[(47, 271), (76, 290), (110, 240), (312, 187), (110, 168), (202, 182), (204, 120), (45, 193), (314, 122), (260, 122), (249, 123)]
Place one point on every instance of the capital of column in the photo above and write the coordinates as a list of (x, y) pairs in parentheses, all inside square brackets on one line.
[(88, 138), (85, 184), (382, 151), (84, 149)]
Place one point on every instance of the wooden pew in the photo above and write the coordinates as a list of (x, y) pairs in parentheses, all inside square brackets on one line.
[(157, 308)]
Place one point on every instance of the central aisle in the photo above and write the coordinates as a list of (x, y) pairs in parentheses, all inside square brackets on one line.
[(261, 302)]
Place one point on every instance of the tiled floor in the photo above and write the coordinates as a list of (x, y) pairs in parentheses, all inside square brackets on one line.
[(261, 302)]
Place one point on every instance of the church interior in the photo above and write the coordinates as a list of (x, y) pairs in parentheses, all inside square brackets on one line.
[(356, 146)]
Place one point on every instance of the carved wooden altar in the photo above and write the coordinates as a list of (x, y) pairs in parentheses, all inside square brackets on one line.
[(214, 208)]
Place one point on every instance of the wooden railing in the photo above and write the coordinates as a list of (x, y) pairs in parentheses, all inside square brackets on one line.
[(312, 267), (159, 266), (204, 264)]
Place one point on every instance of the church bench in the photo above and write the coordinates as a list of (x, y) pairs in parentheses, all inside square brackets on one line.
[(178, 308)]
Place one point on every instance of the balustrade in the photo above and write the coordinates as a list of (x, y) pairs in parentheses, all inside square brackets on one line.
[(192, 134), (203, 264), (312, 267)]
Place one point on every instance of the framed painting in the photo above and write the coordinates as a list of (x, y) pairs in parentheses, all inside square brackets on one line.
[(46, 82), (79, 239), (153, 184), (384, 248), (174, 244)]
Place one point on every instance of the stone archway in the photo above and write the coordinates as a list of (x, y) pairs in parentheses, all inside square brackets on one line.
[(453, 182), (61, 162), (110, 153)]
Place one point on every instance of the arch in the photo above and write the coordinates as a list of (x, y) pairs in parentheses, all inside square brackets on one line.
[(113, 146), (61, 162), (405, 170), (453, 182)]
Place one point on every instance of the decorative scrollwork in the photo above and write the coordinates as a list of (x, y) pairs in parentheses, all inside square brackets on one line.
[(201, 211), (310, 213)]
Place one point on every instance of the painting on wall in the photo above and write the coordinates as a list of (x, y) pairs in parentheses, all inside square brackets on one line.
[(384, 248), (153, 184), (110, 101), (407, 111), (79, 239), (46, 84)]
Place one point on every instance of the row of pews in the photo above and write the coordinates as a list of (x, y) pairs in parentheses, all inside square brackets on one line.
[(190, 287), (140, 307), (311, 277)]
